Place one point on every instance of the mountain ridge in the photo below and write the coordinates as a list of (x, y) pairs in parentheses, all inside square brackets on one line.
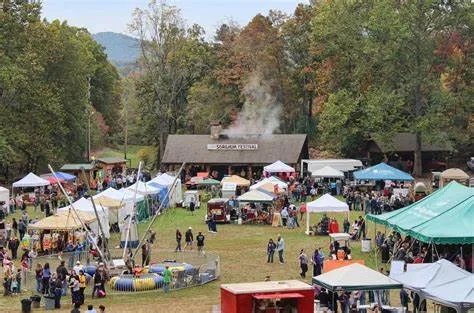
[(122, 50)]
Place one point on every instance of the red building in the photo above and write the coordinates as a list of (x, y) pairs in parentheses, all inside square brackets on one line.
[(267, 297)]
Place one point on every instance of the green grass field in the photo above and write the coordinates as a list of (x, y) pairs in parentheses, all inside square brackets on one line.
[(242, 249)]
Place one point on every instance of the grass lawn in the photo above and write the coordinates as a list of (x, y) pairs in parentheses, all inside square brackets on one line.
[(242, 249)]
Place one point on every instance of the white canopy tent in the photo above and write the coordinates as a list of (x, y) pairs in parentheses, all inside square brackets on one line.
[(344, 165), (431, 275), (30, 180), (4, 195), (458, 294), (126, 196), (272, 180), (176, 195), (143, 189), (355, 277), (328, 172), (255, 196), (325, 203), (86, 206), (278, 167)]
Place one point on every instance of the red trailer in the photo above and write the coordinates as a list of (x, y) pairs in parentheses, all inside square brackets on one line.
[(220, 209), (267, 297)]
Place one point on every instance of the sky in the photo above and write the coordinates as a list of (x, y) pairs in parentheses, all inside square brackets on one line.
[(115, 15)]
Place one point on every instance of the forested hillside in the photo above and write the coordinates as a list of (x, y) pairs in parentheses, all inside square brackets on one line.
[(122, 50), (52, 78), (340, 71)]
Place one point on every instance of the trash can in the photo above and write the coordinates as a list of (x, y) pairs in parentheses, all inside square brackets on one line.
[(49, 302), (25, 306), (365, 245), (35, 300)]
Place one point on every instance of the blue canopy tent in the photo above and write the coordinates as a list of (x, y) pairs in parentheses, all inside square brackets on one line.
[(382, 171), (163, 190), (65, 176)]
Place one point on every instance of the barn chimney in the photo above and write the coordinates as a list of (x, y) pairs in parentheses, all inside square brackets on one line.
[(216, 129)]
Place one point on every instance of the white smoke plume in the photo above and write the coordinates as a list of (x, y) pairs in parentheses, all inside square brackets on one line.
[(261, 111)]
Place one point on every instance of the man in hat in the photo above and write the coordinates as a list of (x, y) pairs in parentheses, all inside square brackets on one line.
[(78, 267), (189, 238)]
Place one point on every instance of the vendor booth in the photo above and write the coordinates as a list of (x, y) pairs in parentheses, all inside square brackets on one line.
[(267, 297), (324, 204), (431, 275), (457, 294), (30, 180), (143, 189), (84, 205), (165, 180), (271, 180), (357, 277), (4, 196), (64, 221), (443, 217), (278, 167), (229, 190), (451, 174), (255, 205), (382, 171), (327, 172), (239, 181)]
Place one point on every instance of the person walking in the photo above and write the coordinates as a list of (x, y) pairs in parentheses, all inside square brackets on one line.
[(75, 289), (166, 279), (271, 246), (302, 210), (189, 238), (316, 260), (145, 254), (13, 245), (280, 248), (82, 286), (61, 272), (192, 207), (45, 277), (200, 241), (303, 259), (179, 237), (38, 276)]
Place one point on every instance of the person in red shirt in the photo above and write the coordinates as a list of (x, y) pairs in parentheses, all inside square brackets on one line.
[(302, 210), (418, 259)]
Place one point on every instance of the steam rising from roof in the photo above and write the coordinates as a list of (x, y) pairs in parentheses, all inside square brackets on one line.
[(261, 111)]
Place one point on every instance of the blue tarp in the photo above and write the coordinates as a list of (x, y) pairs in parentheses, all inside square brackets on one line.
[(163, 190), (382, 171), (65, 176)]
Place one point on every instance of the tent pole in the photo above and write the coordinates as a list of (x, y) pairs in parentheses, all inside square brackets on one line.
[(75, 212), (159, 210), (104, 241), (375, 248), (132, 213)]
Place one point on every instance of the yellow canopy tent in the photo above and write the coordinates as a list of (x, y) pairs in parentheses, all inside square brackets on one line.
[(109, 202), (269, 187), (453, 174), (63, 221), (239, 181)]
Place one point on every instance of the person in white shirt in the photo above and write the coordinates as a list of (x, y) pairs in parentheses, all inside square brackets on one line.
[(78, 267)]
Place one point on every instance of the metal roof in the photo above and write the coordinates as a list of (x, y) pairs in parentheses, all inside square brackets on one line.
[(194, 149)]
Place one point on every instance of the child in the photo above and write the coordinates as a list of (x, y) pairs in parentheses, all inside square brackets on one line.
[(14, 286)]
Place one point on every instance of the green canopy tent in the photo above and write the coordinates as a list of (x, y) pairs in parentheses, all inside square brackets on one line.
[(355, 277), (444, 217), (209, 182)]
